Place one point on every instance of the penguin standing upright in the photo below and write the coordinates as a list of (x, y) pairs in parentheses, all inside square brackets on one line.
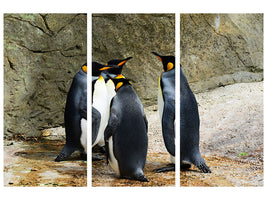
[(75, 117), (126, 134), (189, 128), (102, 98), (166, 104), (100, 109)]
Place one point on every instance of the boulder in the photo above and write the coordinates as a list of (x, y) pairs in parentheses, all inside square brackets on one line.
[(117, 36), (42, 53), (221, 49)]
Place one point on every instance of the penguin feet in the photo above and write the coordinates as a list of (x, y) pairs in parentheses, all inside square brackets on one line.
[(98, 157), (65, 153), (61, 157), (185, 166), (169, 167), (83, 156)]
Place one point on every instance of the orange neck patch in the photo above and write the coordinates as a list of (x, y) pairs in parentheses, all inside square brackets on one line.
[(119, 76)]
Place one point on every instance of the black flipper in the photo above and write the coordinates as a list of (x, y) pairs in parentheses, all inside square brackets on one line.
[(168, 118), (96, 118)]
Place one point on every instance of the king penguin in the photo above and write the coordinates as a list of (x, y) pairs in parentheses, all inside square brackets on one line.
[(126, 134), (100, 111), (75, 117), (112, 67), (103, 91), (118, 62), (166, 104), (189, 128)]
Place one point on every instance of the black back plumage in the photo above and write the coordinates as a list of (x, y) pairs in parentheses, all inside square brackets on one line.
[(128, 128), (189, 127), (75, 110)]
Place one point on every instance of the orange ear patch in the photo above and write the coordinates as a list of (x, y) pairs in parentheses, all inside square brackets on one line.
[(84, 68), (169, 66)]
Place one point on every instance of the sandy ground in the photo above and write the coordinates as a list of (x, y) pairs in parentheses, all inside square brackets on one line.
[(157, 157), (231, 136), (31, 163), (231, 141)]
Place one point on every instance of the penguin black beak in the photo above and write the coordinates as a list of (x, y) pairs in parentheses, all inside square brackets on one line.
[(124, 61)]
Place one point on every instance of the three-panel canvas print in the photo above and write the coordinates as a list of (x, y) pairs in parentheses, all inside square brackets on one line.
[(125, 115)]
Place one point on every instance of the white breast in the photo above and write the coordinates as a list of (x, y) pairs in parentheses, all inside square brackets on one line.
[(84, 134), (110, 90), (100, 102), (112, 160)]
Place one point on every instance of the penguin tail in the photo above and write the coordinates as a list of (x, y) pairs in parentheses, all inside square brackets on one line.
[(201, 164), (60, 157), (142, 178), (204, 168)]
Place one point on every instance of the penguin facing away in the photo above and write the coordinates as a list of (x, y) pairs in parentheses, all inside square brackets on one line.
[(126, 139), (189, 128), (75, 117), (166, 104)]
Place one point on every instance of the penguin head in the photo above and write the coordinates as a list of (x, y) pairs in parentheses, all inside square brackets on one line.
[(167, 61), (119, 63), (110, 67), (105, 71), (96, 68), (84, 68), (120, 81)]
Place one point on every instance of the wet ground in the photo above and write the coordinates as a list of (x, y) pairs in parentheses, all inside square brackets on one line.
[(31, 163), (231, 141)]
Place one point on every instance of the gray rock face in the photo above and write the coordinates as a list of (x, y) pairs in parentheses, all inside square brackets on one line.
[(117, 36), (221, 49), (42, 53)]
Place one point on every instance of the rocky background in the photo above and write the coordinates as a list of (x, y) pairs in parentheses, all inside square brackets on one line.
[(42, 53), (117, 36), (221, 49)]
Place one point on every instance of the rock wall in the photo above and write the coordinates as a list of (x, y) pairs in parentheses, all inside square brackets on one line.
[(221, 49), (117, 36), (42, 53)]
